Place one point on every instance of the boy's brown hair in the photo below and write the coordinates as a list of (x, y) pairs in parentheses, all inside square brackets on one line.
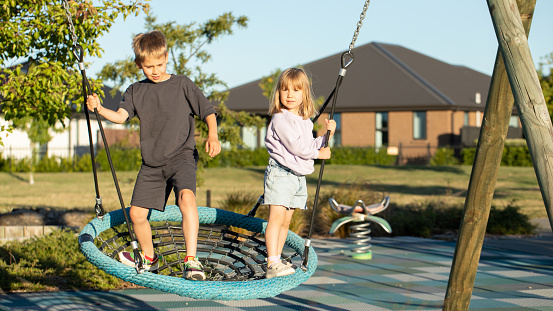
[(150, 44)]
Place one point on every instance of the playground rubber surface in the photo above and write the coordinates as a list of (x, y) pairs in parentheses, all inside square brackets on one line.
[(405, 273)]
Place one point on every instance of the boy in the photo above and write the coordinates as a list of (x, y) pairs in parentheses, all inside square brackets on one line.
[(165, 105)]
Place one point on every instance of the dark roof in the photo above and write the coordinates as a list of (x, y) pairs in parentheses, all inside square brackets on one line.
[(383, 77)]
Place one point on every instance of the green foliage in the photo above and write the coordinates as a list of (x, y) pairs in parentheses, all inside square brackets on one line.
[(514, 154), (468, 154), (545, 74), (48, 83), (444, 156), (240, 158), (267, 83), (123, 159), (52, 262), (361, 156), (425, 219), (242, 202), (436, 217), (509, 221)]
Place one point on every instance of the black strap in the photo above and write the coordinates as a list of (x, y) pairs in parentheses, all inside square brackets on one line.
[(344, 64), (87, 90)]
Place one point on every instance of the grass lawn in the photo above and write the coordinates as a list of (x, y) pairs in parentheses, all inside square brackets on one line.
[(404, 185)]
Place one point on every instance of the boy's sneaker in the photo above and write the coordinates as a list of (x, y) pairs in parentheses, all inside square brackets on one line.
[(127, 258), (279, 269), (194, 270)]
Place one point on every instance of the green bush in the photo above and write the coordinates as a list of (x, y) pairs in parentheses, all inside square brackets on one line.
[(509, 221), (468, 155), (51, 262), (240, 158), (444, 156), (361, 156), (435, 217), (123, 159), (48, 164), (515, 153), (516, 156)]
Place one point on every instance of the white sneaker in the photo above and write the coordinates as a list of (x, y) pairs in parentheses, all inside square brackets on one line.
[(194, 270), (127, 258), (278, 269)]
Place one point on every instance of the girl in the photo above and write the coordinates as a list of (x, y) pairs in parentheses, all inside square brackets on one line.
[(292, 150)]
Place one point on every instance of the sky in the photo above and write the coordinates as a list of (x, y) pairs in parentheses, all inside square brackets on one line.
[(285, 33)]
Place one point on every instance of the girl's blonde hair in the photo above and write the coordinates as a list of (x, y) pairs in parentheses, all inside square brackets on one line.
[(297, 79), (150, 44)]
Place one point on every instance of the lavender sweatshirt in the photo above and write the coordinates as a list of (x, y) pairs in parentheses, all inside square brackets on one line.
[(290, 142)]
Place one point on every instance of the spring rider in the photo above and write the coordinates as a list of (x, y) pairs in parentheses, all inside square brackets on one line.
[(362, 216)]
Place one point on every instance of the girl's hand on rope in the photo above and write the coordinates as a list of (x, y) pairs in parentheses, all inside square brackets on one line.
[(212, 146), (324, 153), (93, 102), (330, 126)]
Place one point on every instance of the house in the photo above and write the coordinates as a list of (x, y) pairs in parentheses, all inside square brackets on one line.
[(72, 140), (391, 97)]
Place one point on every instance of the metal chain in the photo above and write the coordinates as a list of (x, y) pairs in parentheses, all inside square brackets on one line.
[(70, 20), (359, 25)]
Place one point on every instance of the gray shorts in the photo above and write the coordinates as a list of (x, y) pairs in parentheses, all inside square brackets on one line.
[(284, 187), (154, 184)]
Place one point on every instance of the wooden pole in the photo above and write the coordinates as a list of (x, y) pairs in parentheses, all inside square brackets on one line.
[(528, 94), (493, 133)]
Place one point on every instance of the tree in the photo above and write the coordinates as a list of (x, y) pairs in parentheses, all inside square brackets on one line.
[(39, 79), (186, 48), (545, 74)]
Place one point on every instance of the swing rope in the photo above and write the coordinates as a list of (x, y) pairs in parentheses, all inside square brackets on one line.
[(87, 90), (346, 60)]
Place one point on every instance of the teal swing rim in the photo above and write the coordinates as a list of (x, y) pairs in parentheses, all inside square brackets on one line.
[(216, 290)]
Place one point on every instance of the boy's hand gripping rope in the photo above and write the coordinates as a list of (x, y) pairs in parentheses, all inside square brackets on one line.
[(87, 90)]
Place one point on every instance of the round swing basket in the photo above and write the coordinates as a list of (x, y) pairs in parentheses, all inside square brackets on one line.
[(228, 247)]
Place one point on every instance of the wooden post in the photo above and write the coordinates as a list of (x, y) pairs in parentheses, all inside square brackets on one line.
[(493, 133), (528, 94)]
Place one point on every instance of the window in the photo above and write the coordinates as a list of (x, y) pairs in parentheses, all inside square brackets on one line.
[(336, 139), (466, 120), (513, 121), (419, 124), (381, 130)]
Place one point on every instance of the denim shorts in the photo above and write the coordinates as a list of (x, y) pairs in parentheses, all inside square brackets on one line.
[(284, 187)]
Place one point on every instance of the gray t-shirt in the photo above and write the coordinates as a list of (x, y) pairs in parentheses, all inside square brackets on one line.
[(166, 111)]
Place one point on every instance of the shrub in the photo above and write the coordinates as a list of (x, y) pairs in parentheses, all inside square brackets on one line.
[(509, 221), (51, 262), (468, 155), (361, 156), (240, 158), (515, 153), (444, 156), (123, 159), (435, 217)]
